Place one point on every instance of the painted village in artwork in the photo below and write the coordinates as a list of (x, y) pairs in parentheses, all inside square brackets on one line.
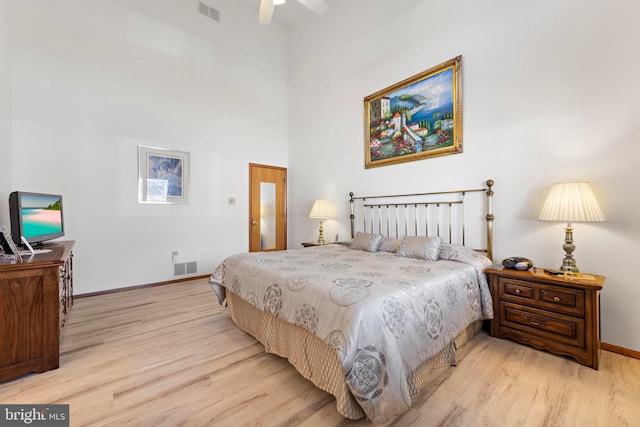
[(414, 119)]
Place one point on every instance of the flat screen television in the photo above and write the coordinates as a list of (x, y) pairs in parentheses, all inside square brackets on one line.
[(36, 216)]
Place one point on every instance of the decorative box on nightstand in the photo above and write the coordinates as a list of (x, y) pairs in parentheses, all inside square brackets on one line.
[(560, 314)]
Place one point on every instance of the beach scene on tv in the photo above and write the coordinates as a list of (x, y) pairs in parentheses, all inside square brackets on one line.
[(41, 215)]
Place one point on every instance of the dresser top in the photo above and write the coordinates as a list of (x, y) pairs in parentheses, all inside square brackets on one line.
[(59, 253)]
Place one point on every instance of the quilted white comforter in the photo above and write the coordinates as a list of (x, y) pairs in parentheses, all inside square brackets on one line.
[(383, 314)]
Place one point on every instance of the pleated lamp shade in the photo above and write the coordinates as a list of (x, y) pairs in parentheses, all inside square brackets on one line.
[(320, 210), (571, 202)]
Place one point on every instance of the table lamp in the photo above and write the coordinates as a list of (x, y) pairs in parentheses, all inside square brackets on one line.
[(571, 202), (320, 210)]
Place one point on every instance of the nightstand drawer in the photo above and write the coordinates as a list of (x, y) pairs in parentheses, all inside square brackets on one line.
[(557, 327), (549, 297), (519, 289), (563, 298)]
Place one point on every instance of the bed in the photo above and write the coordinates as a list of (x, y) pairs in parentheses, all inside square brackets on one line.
[(368, 320)]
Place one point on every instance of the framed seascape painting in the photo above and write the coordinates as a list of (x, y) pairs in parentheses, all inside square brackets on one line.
[(417, 118), (163, 175)]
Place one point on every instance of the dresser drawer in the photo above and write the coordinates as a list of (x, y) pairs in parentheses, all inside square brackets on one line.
[(539, 295), (558, 327)]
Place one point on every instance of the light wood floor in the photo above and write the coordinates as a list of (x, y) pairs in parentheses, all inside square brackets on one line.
[(170, 355)]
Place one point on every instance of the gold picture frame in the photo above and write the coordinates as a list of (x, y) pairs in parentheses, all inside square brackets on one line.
[(417, 118)]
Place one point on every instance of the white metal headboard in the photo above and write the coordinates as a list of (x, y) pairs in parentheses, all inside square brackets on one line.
[(455, 216)]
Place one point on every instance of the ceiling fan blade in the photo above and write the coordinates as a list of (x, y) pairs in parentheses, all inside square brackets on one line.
[(318, 6), (266, 12)]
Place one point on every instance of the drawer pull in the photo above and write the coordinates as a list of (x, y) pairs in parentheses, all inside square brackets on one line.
[(556, 299), (534, 323), (517, 291)]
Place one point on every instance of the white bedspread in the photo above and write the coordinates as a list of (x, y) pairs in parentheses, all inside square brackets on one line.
[(383, 314)]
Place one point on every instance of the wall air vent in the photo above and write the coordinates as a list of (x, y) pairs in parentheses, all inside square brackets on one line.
[(212, 13), (203, 9), (192, 267)]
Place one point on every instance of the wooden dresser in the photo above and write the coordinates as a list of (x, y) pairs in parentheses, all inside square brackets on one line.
[(35, 296), (560, 314)]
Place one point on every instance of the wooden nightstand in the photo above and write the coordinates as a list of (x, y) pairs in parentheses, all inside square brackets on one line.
[(308, 244), (560, 314)]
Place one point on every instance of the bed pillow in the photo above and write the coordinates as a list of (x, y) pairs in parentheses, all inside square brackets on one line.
[(421, 247), (367, 242), (389, 244), (449, 251), (453, 252)]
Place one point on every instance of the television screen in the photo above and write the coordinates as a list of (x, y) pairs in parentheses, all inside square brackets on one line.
[(36, 216)]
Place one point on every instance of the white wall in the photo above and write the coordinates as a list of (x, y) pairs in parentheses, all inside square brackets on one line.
[(91, 80), (549, 94), (5, 116)]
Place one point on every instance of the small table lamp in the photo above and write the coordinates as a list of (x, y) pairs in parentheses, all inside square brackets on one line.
[(321, 211), (571, 202)]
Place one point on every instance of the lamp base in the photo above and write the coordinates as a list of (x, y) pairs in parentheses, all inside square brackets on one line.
[(320, 236), (568, 262), (568, 269)]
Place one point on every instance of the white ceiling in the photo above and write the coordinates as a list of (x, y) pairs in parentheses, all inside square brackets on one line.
[(289, 13)]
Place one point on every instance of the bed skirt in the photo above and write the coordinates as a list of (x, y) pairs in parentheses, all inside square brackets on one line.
[(318, 362)]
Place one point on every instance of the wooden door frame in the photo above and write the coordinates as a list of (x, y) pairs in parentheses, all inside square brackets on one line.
[(252, 166)]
